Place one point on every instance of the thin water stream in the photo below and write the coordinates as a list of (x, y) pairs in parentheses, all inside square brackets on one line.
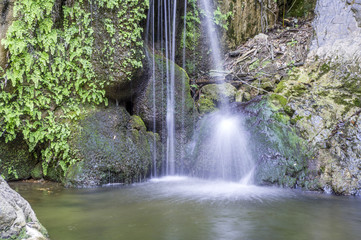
[(185, 208)]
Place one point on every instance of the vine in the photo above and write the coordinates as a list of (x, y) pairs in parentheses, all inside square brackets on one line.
[(50, 73)]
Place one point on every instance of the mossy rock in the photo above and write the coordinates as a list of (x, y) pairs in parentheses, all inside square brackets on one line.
[(284, 156), (206, 105), (185, 112), (212, 96), (16, 162), (112, 146), (119, 61), (37, 172)]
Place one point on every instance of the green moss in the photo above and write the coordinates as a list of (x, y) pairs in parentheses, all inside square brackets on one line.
[(357, 102), (325, 68), (298, 90), (51, 70), (280, 86), (206, 105), (295, 119), (137, 123), (288, 110), (280, 99), (37, 172)]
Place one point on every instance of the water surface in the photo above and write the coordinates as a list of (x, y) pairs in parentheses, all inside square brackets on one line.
[(185, 208)]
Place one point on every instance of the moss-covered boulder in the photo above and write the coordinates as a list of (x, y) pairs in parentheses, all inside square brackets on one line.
[(112, 146), (282, 156), (212, 96), (151, 106), (16, 162)]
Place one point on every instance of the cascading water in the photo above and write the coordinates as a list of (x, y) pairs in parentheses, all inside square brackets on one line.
[(162, 13), (223, 146), (225, 152)]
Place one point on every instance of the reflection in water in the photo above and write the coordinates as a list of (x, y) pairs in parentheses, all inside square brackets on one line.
[(185, 208)]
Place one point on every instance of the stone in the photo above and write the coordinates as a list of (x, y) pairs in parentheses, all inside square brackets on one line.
[(281, 154), (17, 219), (112, 146), (212, 96), (239, 96), (337, 34), (185, 112), (247, 96), (219, 92), (16, 162), (356, 9), (324, 99)]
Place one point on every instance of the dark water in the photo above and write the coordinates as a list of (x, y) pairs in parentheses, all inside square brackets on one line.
[(183, 208)]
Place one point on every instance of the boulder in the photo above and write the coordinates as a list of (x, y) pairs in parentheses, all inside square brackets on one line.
[(184, 113), (212, 96), (356, 9), (281, 154), (112, 146), (16, 162), (17, 219), (337, 32)]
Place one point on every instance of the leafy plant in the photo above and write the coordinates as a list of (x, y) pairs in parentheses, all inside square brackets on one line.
[(50, 72), (221, 19)]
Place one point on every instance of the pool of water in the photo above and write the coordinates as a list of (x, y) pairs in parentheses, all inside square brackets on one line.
[(182, 208)]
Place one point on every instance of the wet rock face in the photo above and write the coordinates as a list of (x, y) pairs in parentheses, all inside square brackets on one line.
[(113, 147), (337, 31), (110, 55), (281, 155), (356, 9), (184, 112), (17, 219)]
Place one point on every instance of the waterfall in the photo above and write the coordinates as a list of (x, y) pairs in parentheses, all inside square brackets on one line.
[(225, 150), (161, 40)]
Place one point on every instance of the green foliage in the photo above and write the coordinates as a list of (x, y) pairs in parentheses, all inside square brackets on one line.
[(221, 19), (124, 32), (50, 73), (193, 21)]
